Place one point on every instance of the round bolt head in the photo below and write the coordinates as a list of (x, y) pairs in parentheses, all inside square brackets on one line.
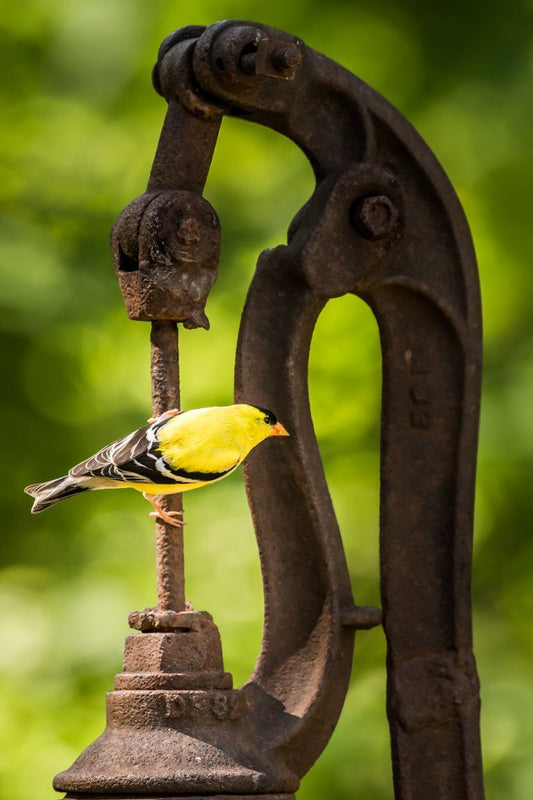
[(375, 216)]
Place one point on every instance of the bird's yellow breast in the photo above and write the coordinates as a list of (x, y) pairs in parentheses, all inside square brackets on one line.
[(209, 440)]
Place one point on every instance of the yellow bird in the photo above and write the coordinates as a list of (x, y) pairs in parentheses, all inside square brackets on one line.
[(176, 452)]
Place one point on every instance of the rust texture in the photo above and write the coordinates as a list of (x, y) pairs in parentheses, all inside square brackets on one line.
[(385, 224)]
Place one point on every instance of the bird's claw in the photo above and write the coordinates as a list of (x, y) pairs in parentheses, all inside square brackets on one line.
[(169, 517), (165, 415)]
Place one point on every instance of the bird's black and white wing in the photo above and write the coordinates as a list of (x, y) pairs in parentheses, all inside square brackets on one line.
[(136, 458)]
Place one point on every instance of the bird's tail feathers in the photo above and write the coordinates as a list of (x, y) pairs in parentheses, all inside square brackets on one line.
[(50, 492)]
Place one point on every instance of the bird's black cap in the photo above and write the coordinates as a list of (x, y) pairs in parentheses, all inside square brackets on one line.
[(270, 414)]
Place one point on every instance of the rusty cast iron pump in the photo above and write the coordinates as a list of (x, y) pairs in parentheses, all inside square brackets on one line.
[(385, 224)]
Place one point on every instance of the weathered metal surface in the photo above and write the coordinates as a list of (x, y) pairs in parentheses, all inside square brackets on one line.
[(385, 224), (166, 247)]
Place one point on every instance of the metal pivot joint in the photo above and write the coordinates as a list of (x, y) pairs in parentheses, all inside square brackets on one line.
[(383, 223)]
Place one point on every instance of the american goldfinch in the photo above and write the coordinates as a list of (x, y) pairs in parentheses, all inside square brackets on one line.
[(177, 452)]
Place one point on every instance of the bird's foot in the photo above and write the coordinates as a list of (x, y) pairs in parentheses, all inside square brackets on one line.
[(165, 415), (170, 517)]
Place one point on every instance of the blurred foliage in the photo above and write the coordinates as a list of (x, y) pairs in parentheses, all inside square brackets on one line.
[(81, 123)]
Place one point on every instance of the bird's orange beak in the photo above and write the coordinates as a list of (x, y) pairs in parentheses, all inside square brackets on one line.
[(278, 430)]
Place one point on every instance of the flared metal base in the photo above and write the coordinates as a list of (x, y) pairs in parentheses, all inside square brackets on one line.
[(176, 728)]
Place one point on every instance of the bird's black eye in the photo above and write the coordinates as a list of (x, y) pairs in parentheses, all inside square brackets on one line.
[(269, 418)]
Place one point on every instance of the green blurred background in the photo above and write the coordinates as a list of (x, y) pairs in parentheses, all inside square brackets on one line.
[(81, 122)]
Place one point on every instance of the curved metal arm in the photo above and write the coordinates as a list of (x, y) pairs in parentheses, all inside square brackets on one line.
[(384, 223)]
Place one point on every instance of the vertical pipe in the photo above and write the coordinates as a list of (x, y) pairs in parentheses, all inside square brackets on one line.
[(169, 538)]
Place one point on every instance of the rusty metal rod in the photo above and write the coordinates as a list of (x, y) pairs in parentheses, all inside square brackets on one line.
[(169, 538), (170, 169)]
